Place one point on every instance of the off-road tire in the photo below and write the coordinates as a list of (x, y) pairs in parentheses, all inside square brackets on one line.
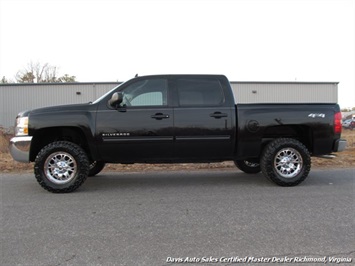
[(286, 162), (248, 166), (96, 167), (61, 167)]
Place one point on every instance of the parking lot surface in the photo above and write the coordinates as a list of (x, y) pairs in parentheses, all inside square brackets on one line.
[(158, 218)]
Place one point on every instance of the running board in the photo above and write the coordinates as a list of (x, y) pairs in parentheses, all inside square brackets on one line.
[(327, 156)]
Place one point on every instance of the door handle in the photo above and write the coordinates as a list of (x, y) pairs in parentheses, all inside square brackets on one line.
[(218, 115), (159, 116)]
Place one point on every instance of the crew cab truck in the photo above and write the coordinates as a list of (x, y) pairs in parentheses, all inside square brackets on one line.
[(174, 119)]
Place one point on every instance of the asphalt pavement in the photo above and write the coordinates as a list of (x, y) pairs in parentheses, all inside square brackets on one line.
[(218, 217)]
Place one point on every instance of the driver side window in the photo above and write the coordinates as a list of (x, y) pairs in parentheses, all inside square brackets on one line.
[(146, 92)]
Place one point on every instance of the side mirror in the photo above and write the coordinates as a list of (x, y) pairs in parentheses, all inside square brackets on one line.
[(116, 99)]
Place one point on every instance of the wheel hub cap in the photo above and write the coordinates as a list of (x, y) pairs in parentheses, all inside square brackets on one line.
[(60, 167), (288, 162)]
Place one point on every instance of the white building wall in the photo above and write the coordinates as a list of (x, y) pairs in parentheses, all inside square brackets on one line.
[(285, 92)]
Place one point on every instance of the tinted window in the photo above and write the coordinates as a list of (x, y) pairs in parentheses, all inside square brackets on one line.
[(199, 92), (147, 92)]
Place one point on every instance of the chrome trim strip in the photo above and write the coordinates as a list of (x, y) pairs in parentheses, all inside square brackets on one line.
[(202, 138), (138, 139)]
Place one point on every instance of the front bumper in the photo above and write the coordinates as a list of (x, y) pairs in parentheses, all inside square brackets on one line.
[(340, 145), (20, 148)]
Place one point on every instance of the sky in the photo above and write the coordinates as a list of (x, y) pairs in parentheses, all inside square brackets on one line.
[(246, 40)]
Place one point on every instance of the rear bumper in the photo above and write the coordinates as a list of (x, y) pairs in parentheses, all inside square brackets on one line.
[(20, 148), (339, 145)]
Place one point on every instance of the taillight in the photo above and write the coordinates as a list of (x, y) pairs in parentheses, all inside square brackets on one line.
[(337, 123)]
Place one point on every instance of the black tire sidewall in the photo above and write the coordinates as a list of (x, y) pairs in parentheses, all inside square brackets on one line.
[(79, 156)]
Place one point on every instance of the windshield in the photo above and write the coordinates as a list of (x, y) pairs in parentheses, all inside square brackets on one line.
[(107, 93)]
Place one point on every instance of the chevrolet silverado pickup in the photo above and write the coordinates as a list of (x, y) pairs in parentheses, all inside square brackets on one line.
[(174, 119)]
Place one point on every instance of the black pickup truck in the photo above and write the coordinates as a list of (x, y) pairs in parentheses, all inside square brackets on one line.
[(174, 119)]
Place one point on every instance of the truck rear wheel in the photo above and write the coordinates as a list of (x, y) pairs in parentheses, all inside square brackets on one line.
[(285, 162), (61, 167), (248, 166), (96, 167)]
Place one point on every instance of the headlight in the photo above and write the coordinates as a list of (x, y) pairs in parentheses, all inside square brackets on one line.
[(21, 128)]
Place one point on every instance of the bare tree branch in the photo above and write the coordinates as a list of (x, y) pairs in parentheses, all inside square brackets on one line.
[(37, 73)]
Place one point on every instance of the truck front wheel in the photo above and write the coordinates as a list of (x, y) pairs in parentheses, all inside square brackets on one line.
[(285, 162), (61, 167)]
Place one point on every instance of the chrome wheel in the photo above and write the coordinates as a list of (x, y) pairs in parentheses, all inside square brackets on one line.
[(60, 167), (288, 163)]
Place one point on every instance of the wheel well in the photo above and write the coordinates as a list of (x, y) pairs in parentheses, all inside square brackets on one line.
[(48, 135), (300, 133)]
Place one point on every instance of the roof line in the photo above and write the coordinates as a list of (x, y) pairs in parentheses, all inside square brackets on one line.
[(119, 82), (285, 82)]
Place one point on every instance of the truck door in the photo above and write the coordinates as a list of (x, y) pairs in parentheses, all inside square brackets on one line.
[(203, 121), (141, 128)]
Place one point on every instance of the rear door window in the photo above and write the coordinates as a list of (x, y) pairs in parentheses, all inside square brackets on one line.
[(199, 92)]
